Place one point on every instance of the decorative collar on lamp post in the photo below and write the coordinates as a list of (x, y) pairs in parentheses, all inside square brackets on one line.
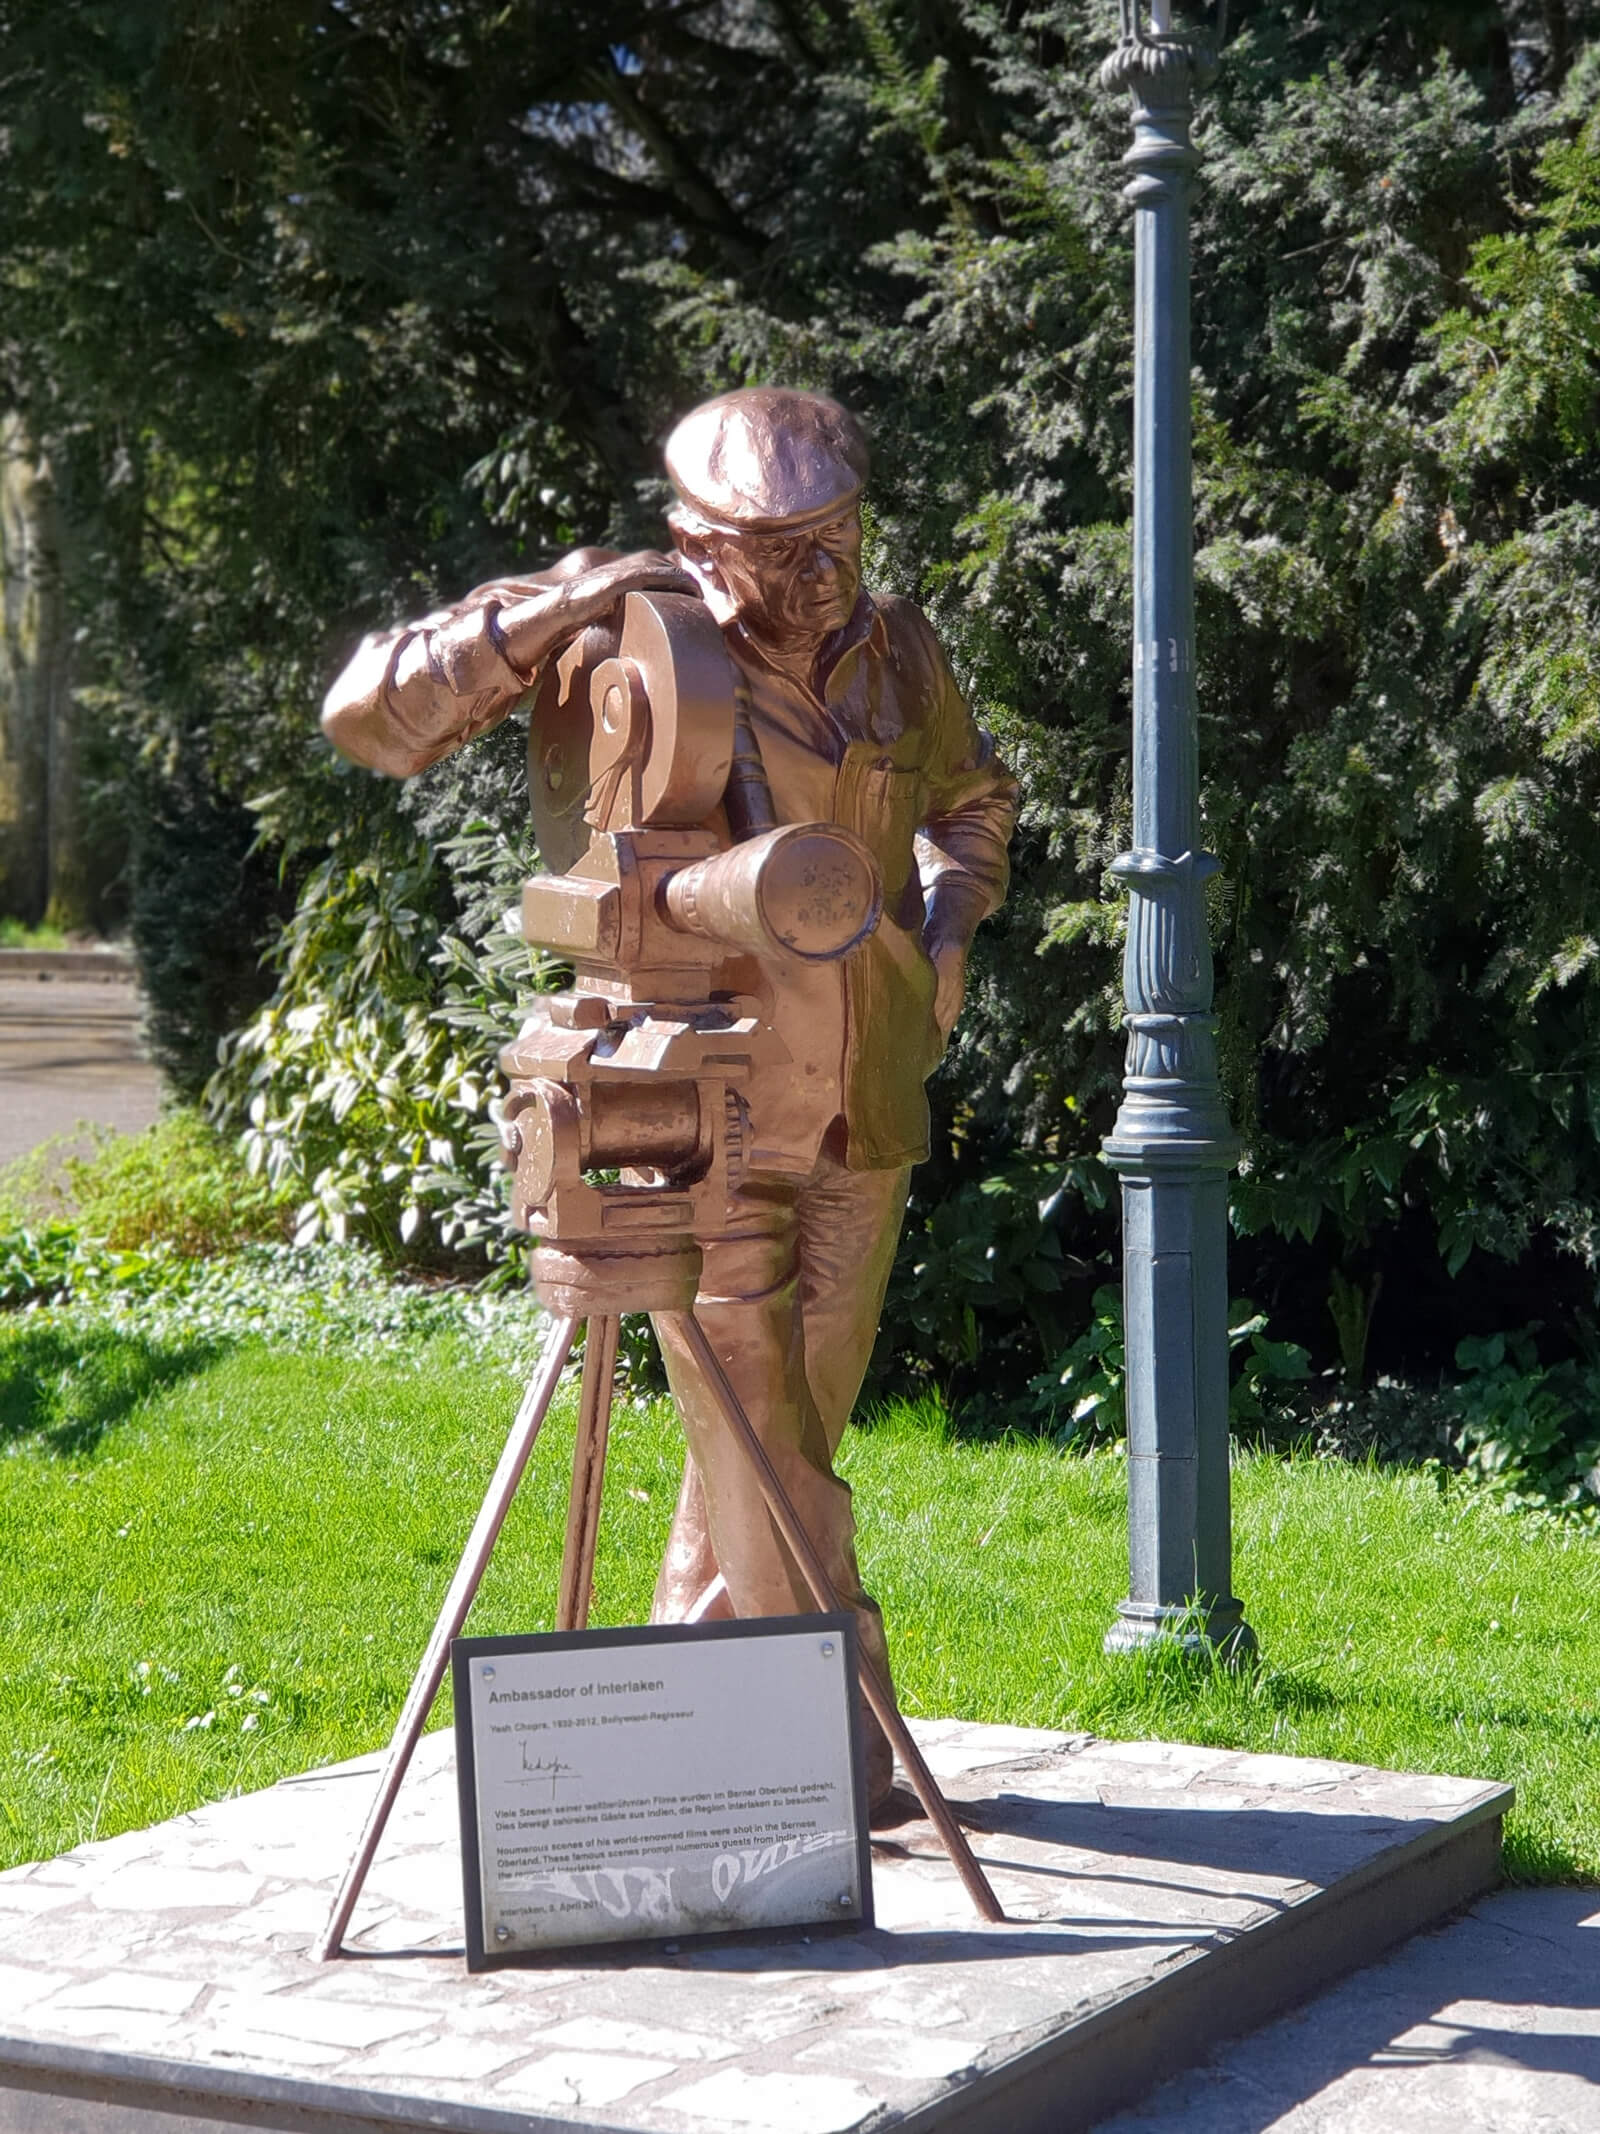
[(1151, 47)]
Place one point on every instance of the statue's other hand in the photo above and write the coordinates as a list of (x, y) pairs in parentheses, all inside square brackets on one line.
[(530, 629), (949, 958)]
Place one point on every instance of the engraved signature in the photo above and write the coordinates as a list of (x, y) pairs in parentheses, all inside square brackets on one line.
[(539, 1769)]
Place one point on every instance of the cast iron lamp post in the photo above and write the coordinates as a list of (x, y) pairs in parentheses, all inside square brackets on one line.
[(1172, 1142)]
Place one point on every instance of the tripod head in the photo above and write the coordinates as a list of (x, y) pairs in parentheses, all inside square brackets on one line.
[(639, 1069)]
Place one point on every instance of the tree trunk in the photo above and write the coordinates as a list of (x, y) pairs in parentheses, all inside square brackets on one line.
[(43, 871), (1558, 36)]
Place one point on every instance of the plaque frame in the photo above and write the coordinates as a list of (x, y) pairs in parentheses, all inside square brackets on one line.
[(464, 1651)]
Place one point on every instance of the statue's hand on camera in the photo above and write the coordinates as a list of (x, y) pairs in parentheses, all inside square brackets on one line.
[(583, 588)]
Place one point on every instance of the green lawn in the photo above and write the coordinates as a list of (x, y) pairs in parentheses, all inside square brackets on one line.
[(222, 1564)]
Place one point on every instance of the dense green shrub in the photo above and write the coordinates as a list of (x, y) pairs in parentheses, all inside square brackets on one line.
[(1080, 1400), (201, 899), (982, 1284), (179, 1183), (366, 1086)]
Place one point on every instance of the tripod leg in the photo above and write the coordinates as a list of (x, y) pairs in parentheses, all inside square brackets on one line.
[(707, 1600), (874, 1688), (588, 1472), (463, 1587)]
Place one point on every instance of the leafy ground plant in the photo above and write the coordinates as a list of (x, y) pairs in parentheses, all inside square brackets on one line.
[(366, 1091), (178, 1183), (1531, 1433), (313, 1298), (1080, 1400), (225, 1557)]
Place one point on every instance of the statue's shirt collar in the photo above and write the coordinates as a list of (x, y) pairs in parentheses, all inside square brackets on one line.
[(830, 687)]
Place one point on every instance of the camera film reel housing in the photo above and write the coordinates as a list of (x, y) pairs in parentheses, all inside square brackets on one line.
[(637, 1070)]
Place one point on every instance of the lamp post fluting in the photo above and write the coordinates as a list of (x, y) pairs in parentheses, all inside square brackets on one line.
[(1172, 1142)]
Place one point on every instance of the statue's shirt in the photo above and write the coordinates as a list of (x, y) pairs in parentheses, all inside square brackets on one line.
[(881, 741)]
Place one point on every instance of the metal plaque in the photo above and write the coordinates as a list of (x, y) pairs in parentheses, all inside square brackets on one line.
[(660, 1784)]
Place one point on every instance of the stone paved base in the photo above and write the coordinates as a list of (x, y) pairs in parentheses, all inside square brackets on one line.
[(1158, 1897)]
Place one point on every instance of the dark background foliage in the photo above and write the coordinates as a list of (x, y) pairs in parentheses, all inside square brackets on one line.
[(322, 309)]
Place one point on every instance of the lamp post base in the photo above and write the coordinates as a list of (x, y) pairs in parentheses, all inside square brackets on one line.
[(1216, 1631)]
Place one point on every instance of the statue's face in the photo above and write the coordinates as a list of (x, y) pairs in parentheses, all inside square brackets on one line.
[(791, 588)]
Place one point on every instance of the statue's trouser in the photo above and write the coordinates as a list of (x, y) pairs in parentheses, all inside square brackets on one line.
[(790, 1295)]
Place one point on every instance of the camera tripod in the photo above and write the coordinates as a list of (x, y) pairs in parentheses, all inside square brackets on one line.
[(577, 1569)]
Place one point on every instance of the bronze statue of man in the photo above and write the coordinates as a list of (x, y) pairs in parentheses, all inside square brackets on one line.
[(857, 720)]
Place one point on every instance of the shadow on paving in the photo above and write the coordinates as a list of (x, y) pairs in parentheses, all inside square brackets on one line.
[(1280, 1843), (875, 1949), (1513, 1985), (1226, 1850), (1270, 1841), (66, 1389)]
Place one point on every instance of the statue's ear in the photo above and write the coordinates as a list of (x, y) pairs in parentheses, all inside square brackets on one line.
[(699, 550)]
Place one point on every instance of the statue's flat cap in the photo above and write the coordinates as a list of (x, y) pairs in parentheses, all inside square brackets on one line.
[(767, 458)]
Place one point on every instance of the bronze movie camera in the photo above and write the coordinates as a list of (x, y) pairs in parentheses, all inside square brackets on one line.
[(639, 752)]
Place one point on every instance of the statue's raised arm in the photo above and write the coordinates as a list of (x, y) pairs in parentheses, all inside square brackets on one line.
[(411, 695)]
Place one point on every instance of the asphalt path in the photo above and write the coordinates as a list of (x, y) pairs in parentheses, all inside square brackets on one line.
[(69, 1057)]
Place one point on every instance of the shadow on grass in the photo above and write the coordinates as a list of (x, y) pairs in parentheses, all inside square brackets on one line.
[(65, 1390), (1167, 1683)]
